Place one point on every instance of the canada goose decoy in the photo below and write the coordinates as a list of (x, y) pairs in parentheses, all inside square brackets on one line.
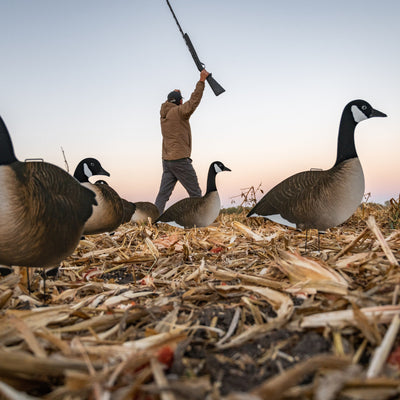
[(129, 210), (108, 213), (43, 210), (322, 199), (197, 211), (128, 207), (144, 211)]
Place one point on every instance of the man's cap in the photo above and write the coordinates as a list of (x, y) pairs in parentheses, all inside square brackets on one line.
[(175, 96)]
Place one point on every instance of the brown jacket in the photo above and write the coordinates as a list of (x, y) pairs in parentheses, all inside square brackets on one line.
[(175, 127)]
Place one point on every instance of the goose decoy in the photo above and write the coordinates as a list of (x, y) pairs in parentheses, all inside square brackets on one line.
[(108, 213), (322, 199), (144, 211), (129, 210), (128, 207), (197, 211), (43, 210)]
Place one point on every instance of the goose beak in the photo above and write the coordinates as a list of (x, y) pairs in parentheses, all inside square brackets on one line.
[(227, 169), (376, 113), (103, 172)]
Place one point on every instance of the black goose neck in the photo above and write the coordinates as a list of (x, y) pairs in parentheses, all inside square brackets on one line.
[(346, 148), (79, 173), (7, 155), (211, 186)]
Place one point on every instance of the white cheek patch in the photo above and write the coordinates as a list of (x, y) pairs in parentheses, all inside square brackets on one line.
[(358, 115), (87, 171), (217, 168)]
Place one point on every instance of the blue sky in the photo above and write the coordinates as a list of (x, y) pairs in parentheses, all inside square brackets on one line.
[(90, 75)]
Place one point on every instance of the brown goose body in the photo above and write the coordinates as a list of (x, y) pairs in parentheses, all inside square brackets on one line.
[(322, 199), (108, 215), (144, 210), (129, 209), (315, 199), (193, 211), (197, 211), (42, 212)]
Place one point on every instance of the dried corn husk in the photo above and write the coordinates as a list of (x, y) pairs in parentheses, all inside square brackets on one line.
[(310, 276), (178, 314)]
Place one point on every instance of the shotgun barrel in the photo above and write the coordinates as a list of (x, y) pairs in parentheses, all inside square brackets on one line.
[(215, 86)]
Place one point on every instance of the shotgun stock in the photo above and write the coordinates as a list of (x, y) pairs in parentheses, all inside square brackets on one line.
[(214, 85)]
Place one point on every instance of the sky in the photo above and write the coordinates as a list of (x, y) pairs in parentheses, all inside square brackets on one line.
[(87, 78)]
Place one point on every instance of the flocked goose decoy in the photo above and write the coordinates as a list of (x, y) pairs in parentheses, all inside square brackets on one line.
[(129, 210), (108, 213), (197, 211), (144, 210), (128, 207), (42, 210), (322, 199)]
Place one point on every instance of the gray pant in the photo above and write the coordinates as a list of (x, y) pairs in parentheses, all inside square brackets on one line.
[(173, 171)]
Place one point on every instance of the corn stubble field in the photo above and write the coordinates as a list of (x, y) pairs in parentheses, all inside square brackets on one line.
[(237, 310)]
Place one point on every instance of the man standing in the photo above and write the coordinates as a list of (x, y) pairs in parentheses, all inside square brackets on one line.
[(177, 143)]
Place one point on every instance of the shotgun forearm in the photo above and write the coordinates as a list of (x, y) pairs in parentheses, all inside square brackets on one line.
[(199, 64)]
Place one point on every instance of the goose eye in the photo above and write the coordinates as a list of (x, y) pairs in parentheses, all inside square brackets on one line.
[(364, 107)]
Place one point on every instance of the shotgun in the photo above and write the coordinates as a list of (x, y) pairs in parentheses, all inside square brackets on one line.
[(215, 86)]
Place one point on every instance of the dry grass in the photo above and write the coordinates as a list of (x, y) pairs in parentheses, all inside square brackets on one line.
[(237, 310)]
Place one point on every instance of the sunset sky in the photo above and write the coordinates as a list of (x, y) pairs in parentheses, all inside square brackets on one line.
[(89, 76)]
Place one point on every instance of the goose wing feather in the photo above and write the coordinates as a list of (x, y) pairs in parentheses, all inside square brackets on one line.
[(51, 194), (294, 197)]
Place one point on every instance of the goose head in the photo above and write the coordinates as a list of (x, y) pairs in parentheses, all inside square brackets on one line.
[(215, 168), (219, 167), (361, 110), (353, 113), (87, 168)]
